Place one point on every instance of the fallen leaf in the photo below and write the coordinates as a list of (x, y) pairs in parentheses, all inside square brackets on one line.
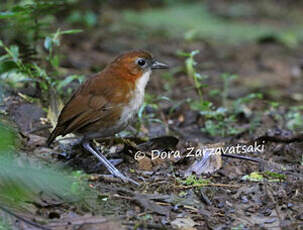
[(210, 161), (145, 164), (184, 223)]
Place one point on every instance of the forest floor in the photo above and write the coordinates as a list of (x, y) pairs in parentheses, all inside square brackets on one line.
[(241, 194)]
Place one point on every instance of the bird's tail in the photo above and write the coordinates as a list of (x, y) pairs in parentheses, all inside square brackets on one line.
[(56, 132)]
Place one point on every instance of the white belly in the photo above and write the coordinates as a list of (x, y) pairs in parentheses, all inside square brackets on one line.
[(137, 99)]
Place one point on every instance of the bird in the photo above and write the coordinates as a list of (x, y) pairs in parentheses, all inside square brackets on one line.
[(105, 103)]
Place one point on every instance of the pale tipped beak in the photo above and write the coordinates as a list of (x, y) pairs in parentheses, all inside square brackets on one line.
[(158, 65)]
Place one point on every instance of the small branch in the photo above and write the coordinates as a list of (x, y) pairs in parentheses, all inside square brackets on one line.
[(278, 139), (23, 219), (271, 196), (242, 157), (205, 185)]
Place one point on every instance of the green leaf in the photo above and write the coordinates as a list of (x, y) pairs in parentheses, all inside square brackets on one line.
[(22, 182), (7, 14), (90, 18), (274, 175), (4, 58), (68, 80), (164, 98), (55, 61), (141, 110), (48, 43), (14, 52), (7, 66), (254, 176), (74, 31), (7, 138)]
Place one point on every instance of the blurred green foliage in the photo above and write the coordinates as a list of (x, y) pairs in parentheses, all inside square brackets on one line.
[(35, 58), (294, 118), (15, 71), (26, 181), (7, 139), (88, 18), (222, 120), (194, 181), (31, 18), (195, 21)]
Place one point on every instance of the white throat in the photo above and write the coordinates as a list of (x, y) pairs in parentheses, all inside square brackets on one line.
[(142, 81), (137, 98)]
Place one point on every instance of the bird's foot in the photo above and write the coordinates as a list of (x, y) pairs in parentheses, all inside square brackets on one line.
[(110, 167), (125, 179)]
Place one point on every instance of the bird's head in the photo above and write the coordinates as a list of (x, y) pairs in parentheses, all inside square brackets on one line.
[(135, 64)]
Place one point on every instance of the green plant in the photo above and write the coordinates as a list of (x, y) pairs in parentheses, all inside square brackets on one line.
[(227, 78), (52, 44), (224, 127), (193, 20), (31, 18), (22, 181), (193, 180), (30, 65), (198, 79), (4, 225), (87, 18), (294, 118), (15, 71), (267, 175), (220, 121), (169, 77), (151, 101)]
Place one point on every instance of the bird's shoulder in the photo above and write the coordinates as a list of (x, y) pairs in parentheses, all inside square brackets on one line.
[(98, 94)]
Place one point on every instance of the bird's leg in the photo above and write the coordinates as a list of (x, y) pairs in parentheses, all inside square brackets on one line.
[(115, 162), (112, 169)]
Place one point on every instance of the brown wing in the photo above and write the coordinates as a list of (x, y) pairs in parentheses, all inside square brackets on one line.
[(93, 101)]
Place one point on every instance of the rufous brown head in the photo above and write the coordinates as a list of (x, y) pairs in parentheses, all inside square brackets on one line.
[(132, 65)]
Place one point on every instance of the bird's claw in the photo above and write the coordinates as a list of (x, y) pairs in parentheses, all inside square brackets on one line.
[(125, 179)]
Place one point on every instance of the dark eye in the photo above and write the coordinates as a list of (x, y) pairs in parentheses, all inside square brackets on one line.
[(141, 62)]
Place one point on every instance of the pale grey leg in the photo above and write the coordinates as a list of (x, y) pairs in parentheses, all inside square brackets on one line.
[(112, 169)]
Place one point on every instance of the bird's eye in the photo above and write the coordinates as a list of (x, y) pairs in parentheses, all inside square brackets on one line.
[(141, 62)]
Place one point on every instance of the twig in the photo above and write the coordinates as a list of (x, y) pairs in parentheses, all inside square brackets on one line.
[(242, 157), (147, 225), (39, 129), (270, 195), (205, 198), (204, 185), (23, 219), (122, 197), (297, 138)]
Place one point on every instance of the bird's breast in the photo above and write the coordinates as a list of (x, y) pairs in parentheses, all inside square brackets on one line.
[(136, 99)]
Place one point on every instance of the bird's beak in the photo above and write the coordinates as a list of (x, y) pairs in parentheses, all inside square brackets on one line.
[(158, 65)]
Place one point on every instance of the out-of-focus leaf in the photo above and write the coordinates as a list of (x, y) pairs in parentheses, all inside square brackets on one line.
[(48, 43), (7, 66), (56, 105), (7, 15), (14, 51), (254, 176), (7, 139), (90, 18), (55, 61), (208, 159), (68, 80), (184, 223), (74, 31), (22, 182)]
